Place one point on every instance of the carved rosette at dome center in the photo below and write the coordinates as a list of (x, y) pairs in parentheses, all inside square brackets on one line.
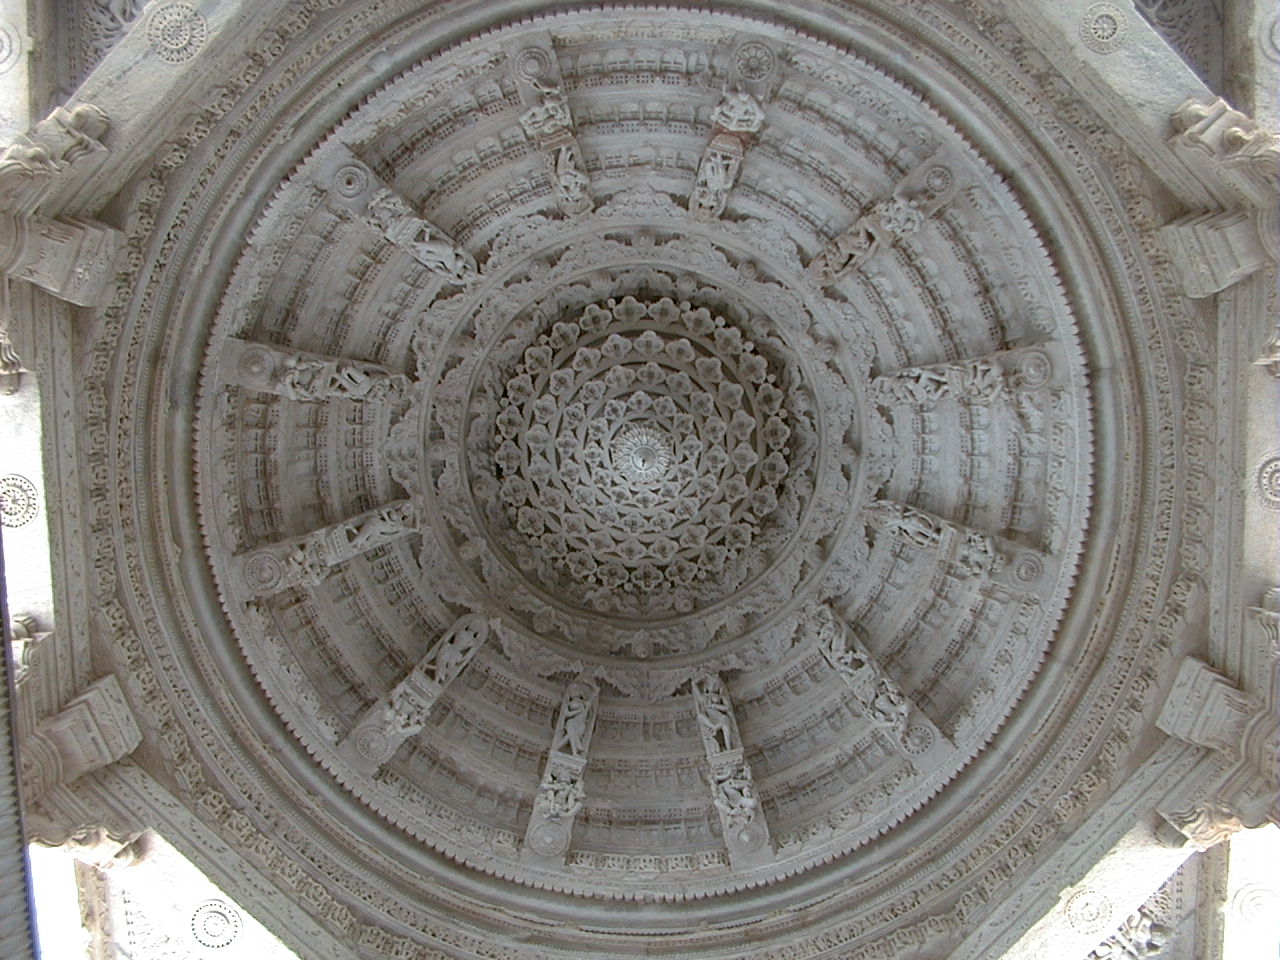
[(643, 458)]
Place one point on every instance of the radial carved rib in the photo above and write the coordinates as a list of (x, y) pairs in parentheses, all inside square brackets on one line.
[(308, 560), (876, 694), (310, 376), (919, 195), (736, 120), (973, 552), (976, 380), (745, 831), (351, 184), (403, 712), (548, 123), (560, 794)]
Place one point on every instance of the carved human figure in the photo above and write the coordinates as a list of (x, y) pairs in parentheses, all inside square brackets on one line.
[(738, 112), (550, 116), (570, 179), (560, 795), (575, 721), (715, 715), (716, 175), (375, 529), (306, 562), (405, 715), (426, 244), (456, 648), (734, 795)]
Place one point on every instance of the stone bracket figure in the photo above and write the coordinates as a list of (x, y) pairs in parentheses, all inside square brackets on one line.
[(311, 377), (308, 560), (920, 194), (403, 712), (561, 793), (874, 691), (736, 120), (733, 793), (549, 124), (973, 553), (350, 184)]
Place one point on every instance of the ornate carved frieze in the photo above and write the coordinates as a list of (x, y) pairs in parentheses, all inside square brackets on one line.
[(308, 560), (735, 121), (978, 380), (561, 793), (1140, 937), (404, 711), (733, 792)]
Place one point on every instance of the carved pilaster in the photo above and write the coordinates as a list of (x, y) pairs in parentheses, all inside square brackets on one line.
[(561, 792), (96, 728), (736, 120), (1248, 157), (548, 123), (1205, 708), (1212, 251), (308, 560), (351, 185), (1239, 722), (402, 713), (310, 377), (744, 828), (920, 194), (71, 259)]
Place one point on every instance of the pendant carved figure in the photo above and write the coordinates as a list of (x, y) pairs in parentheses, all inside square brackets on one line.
[(737, 118), (424, 242)]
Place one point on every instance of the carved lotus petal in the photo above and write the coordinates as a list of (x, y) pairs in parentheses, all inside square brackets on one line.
[(595, 318), (752, 367), (587, 358), (538, 358), (561, 383), (630, 310), (709, 369), (735, 488), (537, 437), (773, 468), (564, 335), (715, 459), (651, 374), (616, 347), (509, 457), (770, 398), (744, 457), (699, 321), (775, 432), (665, 312), (742, 423), (728, 340), (592, 391), (730, 395), (520, 387), (714, 429), (681, 350), (679, 384)]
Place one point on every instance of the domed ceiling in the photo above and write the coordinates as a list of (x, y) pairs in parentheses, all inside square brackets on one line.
[(638, 470)]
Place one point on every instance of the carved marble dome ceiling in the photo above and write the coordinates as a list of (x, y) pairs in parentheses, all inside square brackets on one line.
[(602, 467)]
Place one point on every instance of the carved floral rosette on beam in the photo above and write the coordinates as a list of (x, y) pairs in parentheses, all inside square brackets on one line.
[(560, 794), (402, 712), (308, 560), (744, 828)]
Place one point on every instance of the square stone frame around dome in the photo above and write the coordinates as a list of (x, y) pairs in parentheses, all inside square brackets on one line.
[(1166, 730)]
